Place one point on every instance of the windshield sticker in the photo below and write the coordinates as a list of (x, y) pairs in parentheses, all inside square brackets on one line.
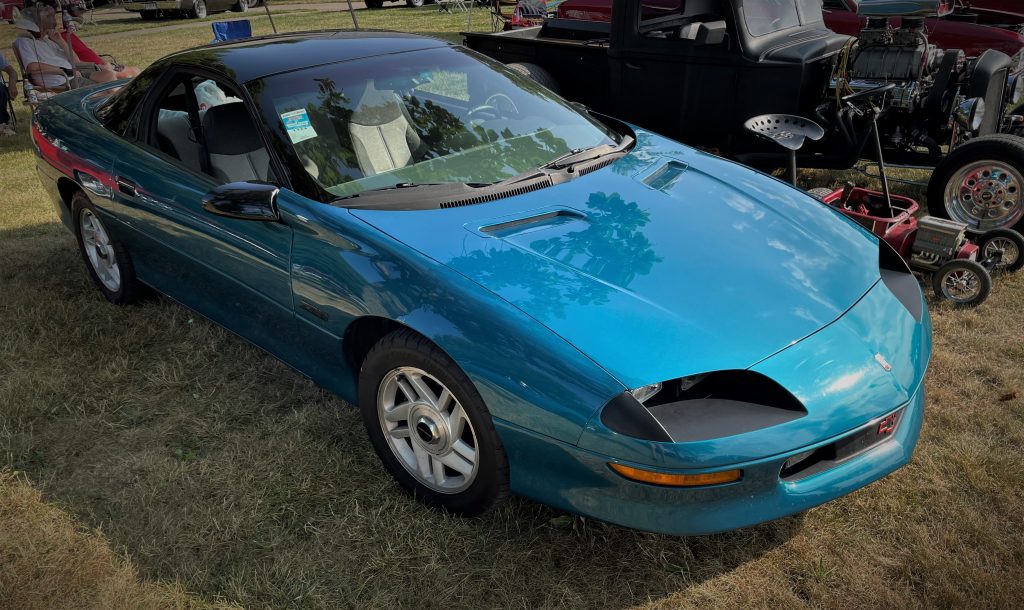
[(298, 126)]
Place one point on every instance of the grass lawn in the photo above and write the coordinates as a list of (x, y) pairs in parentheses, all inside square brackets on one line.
[(150, 459)]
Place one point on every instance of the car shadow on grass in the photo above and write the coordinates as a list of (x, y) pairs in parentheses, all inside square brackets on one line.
[(211, 463)]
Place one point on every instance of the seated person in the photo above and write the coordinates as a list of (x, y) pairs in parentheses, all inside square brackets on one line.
[(7, 93), (44, 55), (87, 55)]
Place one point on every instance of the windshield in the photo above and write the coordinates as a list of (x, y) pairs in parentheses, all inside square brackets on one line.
[(769, 16), (432, 116)]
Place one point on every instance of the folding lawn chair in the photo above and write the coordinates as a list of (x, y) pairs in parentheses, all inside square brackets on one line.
[(449, 6), (235, 29), (42, 92)]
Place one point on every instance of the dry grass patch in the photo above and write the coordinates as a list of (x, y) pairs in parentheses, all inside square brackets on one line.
[(49, 561)]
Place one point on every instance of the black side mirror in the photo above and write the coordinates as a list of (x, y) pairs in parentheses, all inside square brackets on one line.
[(244, 201)]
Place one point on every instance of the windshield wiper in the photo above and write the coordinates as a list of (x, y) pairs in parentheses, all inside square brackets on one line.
[(590, 153), (399, 186)]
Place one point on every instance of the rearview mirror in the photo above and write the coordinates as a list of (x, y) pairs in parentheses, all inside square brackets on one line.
[(243, 200)]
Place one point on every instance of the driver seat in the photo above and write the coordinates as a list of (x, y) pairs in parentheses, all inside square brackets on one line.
[(382, 134)]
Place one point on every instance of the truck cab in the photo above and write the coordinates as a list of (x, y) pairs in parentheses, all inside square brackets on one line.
[(687, 68)]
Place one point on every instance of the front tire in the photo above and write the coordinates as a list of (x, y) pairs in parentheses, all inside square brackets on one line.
[(107, 260), (1007, 242), (147, 15), (414, 3), (241, 7), (374, 3), (981, 183), (198, 10), (430, 427), (964, 282)]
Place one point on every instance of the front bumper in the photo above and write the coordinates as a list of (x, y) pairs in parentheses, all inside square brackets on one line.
[(162, 5), (580, 481)]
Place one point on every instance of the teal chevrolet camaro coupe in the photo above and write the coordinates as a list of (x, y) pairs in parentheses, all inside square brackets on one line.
[(519, 295)]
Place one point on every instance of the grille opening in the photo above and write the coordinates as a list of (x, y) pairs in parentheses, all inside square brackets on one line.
[(850, 446)]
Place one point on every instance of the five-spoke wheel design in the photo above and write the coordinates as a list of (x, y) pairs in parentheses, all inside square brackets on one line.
[(427, 429), (99, 251)]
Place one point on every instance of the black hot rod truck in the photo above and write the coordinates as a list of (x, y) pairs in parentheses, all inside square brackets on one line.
[(695, 70)]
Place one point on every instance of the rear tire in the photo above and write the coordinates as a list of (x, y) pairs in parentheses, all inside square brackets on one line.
[(1010, 242), (374, 3), (414, 3), (964, 282), (981, 183), (417, 440), (147, 15), (541, 76), (107, 260), (241, 7)]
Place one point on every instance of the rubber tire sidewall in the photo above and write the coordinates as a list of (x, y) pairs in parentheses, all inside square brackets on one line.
[(1001, 147), (374, 4), (130, 291), (414, 3), (405, 348), (241, 7), (983, 275), (193, 13), (1008, 234)]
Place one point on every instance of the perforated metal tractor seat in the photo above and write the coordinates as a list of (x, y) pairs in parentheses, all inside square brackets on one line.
[(236, 150), (786, 130)]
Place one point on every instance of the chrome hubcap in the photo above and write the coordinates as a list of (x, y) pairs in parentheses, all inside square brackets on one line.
[(1008, 249), (986, 194), (961, 285), (99, 251), (427, 430)]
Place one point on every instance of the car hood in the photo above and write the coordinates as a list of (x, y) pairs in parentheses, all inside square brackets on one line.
[(669, 262)]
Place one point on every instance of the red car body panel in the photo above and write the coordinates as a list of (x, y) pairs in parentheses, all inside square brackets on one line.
[(996, 12), (7, 9), (841, 17)]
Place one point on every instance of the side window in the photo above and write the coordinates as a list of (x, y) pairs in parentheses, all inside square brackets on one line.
[(207, 128), (834, 5), (686, 21)]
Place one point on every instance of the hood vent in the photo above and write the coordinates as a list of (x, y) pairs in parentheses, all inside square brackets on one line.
[(666, 176), (520, 189)]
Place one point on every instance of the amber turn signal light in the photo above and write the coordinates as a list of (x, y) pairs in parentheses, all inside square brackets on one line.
[(676, 480)]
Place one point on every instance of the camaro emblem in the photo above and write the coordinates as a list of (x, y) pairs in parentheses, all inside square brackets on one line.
[(880, 359)]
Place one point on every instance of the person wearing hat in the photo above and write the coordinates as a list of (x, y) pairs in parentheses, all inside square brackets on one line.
[(47, 61), (10, 92)]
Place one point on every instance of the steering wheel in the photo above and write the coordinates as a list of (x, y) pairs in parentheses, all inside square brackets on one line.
[(868, 94), (496, 105)]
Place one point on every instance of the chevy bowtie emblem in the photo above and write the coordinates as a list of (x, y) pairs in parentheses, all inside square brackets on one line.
[(880, 359)]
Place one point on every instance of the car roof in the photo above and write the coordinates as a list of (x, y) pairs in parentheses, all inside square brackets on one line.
[(252, 58)]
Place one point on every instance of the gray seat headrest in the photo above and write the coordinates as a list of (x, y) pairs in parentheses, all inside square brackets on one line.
[(229, 130)]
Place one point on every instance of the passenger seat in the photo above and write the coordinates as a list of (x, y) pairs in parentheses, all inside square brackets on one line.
[(236, 151)]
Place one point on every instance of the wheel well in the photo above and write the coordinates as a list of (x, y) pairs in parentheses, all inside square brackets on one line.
[(67, 189), (362, 334)]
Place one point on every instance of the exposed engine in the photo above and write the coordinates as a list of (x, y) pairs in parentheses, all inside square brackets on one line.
[(917, 111), (886, 54)]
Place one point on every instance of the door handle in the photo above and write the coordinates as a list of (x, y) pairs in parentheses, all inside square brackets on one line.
[(127, 187)]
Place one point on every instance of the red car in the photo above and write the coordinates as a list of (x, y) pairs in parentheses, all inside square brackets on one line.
[(974, 38), (11, 9), (994, 12), (841, 16)]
